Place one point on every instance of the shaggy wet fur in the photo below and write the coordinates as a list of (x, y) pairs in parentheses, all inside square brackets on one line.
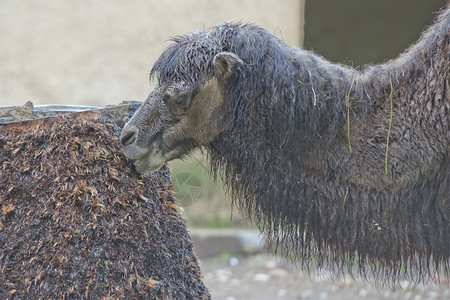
[(304, 152)]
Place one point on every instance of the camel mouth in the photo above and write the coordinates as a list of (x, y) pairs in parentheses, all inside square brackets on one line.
[(155, 157), (150, 161)]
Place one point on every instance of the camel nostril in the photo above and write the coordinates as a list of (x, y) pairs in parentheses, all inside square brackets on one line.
[(129, 137)]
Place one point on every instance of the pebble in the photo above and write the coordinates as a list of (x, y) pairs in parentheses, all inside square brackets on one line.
[(307, 294), (277, 272), (235, 282), (209, 275), (432, 294), (363, 293), (387, 295), (261, 277), (233, 261), (270, 264), (281, 293), (222, 275)]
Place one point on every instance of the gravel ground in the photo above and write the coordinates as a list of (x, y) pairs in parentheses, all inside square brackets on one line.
[(266, 277)]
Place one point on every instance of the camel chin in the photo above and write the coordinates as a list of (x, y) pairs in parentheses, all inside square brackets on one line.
[(155, 158), (150, 161)]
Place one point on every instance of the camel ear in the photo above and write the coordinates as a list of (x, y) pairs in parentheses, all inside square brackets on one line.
[(226, 63)]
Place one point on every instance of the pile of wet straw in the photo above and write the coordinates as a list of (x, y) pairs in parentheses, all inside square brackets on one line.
[(78, 222)]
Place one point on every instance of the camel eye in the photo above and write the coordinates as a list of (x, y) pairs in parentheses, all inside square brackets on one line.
[(180, 100), (183, 100), (177, 102), (166, 98)]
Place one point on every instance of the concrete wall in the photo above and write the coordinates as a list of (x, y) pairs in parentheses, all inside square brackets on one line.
[(100, 52)]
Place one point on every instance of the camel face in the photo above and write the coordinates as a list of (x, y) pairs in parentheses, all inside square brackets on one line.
[(178, 117)]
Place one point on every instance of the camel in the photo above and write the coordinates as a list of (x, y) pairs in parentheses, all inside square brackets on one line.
[(342, 167)]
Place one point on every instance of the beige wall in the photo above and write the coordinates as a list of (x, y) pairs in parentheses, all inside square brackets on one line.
[(100, 52)]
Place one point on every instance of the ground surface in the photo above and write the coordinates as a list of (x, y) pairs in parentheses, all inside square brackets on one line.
[(263, 277)]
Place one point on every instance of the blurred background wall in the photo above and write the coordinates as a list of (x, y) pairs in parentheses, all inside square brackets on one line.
[(99, 52)]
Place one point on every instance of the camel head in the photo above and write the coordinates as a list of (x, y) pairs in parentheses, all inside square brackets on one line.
[(184, 110)]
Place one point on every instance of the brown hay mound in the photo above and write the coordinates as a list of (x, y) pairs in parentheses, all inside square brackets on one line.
[(77, 222)]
